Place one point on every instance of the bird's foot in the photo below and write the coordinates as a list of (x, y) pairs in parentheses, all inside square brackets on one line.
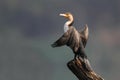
[(76, 57)]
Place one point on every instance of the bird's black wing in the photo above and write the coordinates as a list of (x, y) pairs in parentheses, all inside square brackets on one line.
[(84, 35), (62, 40)]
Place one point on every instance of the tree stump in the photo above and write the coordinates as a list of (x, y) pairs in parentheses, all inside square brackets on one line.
[(77, 67)]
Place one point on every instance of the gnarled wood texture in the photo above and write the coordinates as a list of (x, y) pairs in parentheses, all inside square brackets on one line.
[(77, 67)]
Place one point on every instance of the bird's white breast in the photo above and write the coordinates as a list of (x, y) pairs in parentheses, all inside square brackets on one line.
[(66, 28)]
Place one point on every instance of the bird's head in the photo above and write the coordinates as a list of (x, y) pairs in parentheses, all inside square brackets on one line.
[(67, 15)]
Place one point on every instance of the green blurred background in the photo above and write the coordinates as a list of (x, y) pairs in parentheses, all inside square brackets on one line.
[(29, 27)]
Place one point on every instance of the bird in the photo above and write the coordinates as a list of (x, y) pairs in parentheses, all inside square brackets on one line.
[(73, 38)]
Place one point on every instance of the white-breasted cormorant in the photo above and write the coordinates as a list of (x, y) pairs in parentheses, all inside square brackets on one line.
[(76, 40)]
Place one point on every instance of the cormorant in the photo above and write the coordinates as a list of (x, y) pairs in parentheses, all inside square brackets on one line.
[(76, 40)]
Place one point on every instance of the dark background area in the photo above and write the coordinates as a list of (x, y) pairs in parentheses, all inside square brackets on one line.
[(29, 27)]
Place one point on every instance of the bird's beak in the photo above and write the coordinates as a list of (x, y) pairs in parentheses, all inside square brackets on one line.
[(63, 15)]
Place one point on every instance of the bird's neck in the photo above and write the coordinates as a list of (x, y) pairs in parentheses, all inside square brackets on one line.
[(68, 24), (70, 21)]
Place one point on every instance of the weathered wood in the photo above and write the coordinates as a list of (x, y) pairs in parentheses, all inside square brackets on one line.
[(77, 67)]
